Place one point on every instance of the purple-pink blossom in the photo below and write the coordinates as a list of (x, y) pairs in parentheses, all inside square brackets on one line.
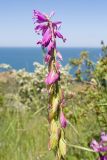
[(46, 38), (51, 46), (47, 58), (56, 24), (103, 157), (103, 136), (50, 31), (57, 65), (51, 14), (101, 146), (63, 120), (43, 26), (39, 17), (52, 77), (95, 145), (59, 35), (59, 56), (98, 146)]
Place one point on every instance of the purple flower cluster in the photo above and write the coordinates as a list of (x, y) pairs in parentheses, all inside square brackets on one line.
[(50, 31), (101, 146)]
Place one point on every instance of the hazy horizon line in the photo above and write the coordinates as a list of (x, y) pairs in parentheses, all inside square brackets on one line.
[(57, 47)]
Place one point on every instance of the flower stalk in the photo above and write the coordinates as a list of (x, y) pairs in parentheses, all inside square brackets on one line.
[(56, 117)]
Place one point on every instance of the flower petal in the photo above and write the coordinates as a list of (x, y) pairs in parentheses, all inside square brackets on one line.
[(39, 42), (40, 17), (58, 65), (46, 38), (59, 35), (104, 157), (51, 46), (57, 24), (51, 14), (59, 56), (47, 58), (52, 77), (40, 27), (95, 146), (104, 137), (63, 120), (103, 149)]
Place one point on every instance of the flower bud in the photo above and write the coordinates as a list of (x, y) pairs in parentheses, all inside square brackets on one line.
[(63, 120)]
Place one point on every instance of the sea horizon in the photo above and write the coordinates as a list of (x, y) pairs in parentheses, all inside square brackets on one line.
[(24, 57), (57, 47)]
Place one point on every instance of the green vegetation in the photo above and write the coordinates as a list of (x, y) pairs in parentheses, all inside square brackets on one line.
[(23, 112)]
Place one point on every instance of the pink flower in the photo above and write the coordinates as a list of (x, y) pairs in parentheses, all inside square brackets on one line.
[(103, 157), (46, 38), (52, 77), (56, 25), (41, 27), (58, 65), (59, 35), (104, 137), (51, 14), (63, 120), (103, 149), (95, 146), (59, 56), (51, 46), (47, 58), (100, 146), (40, 17), (39, 42)]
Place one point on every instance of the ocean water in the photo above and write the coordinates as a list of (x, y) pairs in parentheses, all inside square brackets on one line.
[(20, 58)]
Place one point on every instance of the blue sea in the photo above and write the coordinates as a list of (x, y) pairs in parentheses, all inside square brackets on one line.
[(20, 58)]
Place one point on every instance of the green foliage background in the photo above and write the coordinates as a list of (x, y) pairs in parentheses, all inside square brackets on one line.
[(23, 111)]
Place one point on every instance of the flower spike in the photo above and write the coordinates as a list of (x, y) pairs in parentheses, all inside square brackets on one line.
[(56, 117)]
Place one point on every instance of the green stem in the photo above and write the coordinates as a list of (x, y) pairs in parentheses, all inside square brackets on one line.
[(79, 147), (38, 111)]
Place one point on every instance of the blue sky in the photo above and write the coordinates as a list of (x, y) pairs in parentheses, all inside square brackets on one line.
[(84, 21)]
